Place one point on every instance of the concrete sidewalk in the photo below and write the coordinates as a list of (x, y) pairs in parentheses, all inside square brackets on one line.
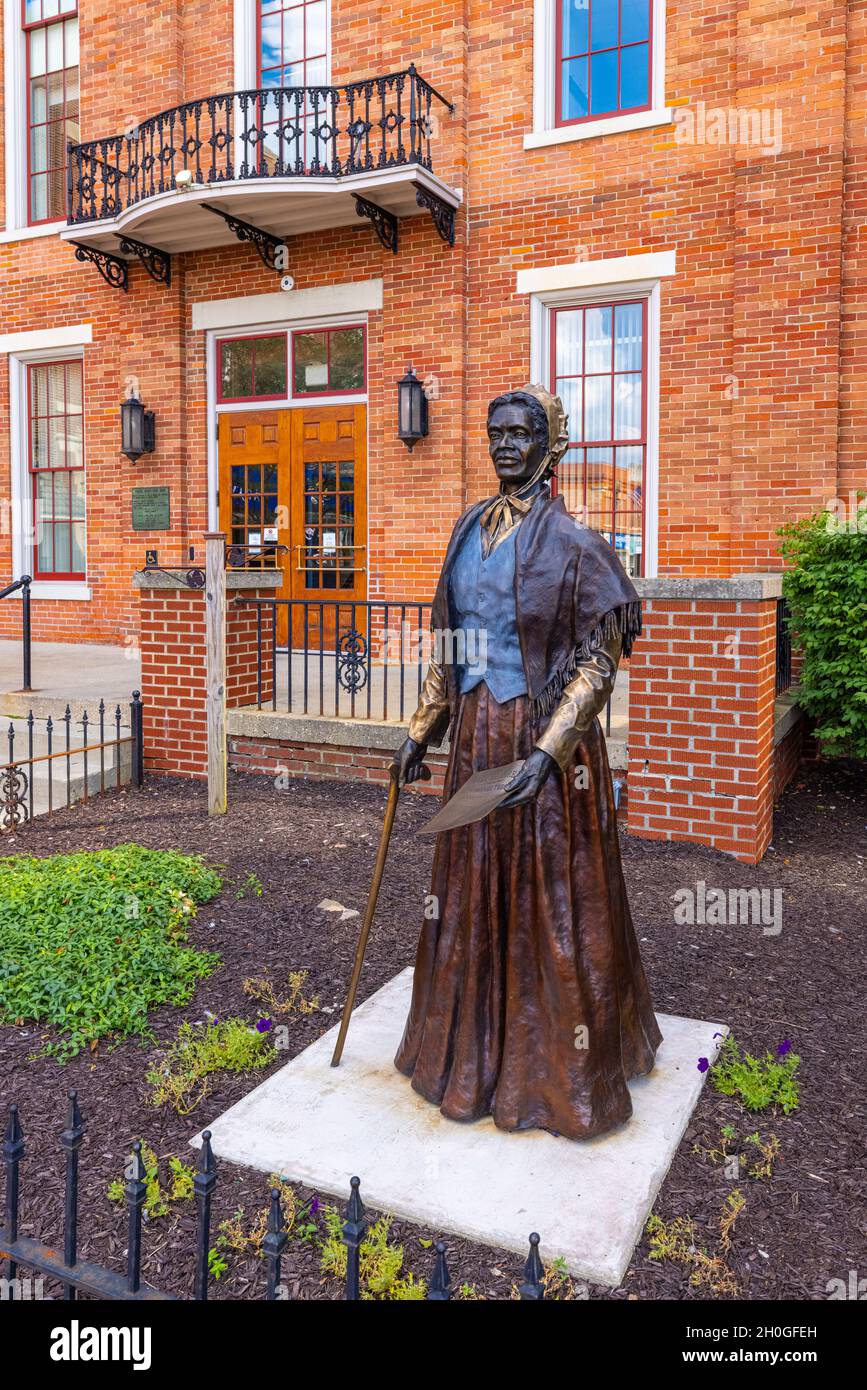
[(73, 673)]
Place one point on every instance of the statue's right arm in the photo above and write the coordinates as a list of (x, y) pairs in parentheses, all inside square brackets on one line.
[(427, 725)]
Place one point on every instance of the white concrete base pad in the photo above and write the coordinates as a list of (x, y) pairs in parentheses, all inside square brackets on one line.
[(589, 1200)]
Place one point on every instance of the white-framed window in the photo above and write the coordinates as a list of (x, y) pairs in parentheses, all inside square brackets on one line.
[(598, 68), (48, 470), (594, 338)]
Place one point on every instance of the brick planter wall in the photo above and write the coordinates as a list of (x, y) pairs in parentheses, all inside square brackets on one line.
[(173, 664), (701, 713)]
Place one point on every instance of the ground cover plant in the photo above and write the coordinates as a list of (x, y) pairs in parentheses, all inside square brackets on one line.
[(90, 942), (800, 1231)]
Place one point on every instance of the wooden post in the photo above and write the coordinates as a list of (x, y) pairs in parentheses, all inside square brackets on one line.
[(215, 646)]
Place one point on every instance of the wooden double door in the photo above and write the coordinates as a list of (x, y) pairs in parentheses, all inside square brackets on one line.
[(293, 493)]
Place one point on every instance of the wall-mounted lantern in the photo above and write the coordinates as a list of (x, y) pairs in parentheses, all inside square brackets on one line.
[(411, 409), (137, 429)]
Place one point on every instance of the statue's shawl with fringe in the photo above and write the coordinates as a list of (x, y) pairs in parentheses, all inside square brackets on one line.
[(571, 593)]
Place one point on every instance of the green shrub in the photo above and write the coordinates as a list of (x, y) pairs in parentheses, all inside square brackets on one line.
[(199, 1050), (826, 589), (758, 1081), (89, 942)]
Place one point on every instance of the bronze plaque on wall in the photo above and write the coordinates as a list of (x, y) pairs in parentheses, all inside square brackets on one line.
[(150, 509)]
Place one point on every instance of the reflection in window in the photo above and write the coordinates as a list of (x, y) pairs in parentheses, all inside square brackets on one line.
[(57, 469), (51, 42), (599, 374), (328, 360), (252, 368), (603, 58)]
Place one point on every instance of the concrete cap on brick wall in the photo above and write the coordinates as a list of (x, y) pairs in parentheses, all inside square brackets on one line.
[(753, 586), (235, 579)]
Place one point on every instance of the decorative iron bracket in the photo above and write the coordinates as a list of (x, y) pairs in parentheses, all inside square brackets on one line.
[(265, 243), (384, 222), (443, 213), (157, 263), (113, 269)]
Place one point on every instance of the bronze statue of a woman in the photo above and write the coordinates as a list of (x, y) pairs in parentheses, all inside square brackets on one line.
[(529, 999)]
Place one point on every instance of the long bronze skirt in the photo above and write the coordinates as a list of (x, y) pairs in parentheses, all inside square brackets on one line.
[(529, 999)]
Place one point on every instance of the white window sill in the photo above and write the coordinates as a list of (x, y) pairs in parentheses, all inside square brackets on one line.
[(59, 589), (606, 125), (29, 233)]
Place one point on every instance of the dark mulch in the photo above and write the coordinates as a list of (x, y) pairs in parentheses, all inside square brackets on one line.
[(802, 1228)]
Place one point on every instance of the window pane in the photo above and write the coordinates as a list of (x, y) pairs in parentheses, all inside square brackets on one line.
[(316, 29), (237, 368), (61, 496), (78, 565), (271, 366), (600, 483), (570, 481), (576, 16), (270, 42), (634, 20), (603, 82), (70, 43), (603, 28), (77, 492), (39, 443), (57, 442), (74, 445), (597, 407), (598, 338), (627, 406), (61, 549), (37, 52), (627, 337), (54, 47), (73, 388), (347, 359), (311, 362), (573, 98), (570, 342), (634, 76), (56, 389), (39, 148), (316, 76), (570, 391), (293, 34)]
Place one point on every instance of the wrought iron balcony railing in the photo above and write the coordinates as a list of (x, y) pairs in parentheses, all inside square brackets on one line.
[(270, 132)]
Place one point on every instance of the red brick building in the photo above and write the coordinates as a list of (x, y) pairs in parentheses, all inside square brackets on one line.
[(656, 207)]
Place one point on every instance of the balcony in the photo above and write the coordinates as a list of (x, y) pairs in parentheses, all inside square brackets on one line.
[(278, 161)]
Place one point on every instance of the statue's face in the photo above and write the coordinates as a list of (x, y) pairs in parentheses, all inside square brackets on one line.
[(513, 446)]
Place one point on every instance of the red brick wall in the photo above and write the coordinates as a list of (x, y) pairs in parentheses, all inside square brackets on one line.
[(701, 724), (764, 328), (273, 757), (173, 675)]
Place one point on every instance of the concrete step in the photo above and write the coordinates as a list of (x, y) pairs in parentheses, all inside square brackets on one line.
[(17, 704)]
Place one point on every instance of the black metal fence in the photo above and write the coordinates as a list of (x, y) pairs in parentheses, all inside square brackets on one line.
[(81, 758), (269, 132), (22, 585), (343, 660), (784, 647), (87, 1277)]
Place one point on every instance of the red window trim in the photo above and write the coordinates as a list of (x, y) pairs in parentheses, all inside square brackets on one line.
[(27, 28), (53, 575), (642, 441), (327, 391), (559, 119), (250, 338)]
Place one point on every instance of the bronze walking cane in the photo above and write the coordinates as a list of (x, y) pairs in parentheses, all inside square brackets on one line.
[(393, 794)]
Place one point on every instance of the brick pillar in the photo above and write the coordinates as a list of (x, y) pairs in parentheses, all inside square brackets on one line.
[(701, 713), (172, 640)]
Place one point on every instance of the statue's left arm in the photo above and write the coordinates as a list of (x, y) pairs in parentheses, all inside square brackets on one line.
[(582, 699)]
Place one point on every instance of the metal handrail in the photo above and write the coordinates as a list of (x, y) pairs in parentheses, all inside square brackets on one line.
[(24, 585), (317, 131)]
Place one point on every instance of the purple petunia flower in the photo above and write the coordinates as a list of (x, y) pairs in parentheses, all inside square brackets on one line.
[(784, 1047), (703, 1064), (264, 1024), (314, 1206)]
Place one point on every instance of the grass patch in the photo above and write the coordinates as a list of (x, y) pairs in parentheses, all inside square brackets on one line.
[(89, 942)]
